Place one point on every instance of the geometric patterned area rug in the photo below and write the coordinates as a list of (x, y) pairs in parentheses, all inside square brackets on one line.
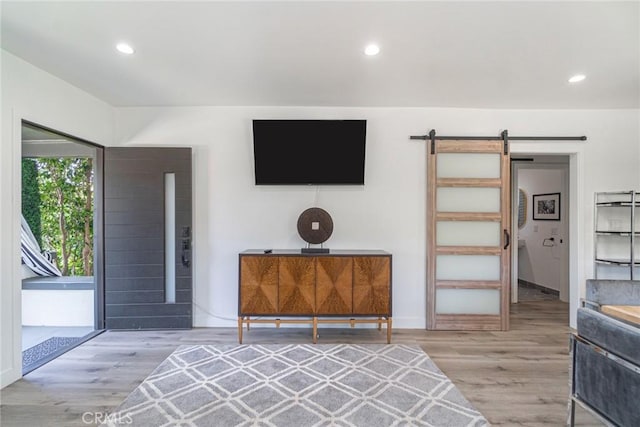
[(295, 386)]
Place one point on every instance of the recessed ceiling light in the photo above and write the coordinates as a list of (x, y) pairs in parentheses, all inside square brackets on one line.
[(371, 50), (577, 78), (125, 48)]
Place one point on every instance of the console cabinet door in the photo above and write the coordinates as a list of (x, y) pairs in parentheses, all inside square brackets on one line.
[(371, 285), (296, 288), (334, 285), (258, 285)]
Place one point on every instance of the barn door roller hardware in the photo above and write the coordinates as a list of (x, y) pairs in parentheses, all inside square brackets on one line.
[(504, 136)]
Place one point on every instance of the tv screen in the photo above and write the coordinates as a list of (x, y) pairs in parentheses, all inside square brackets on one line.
[(309, 152)]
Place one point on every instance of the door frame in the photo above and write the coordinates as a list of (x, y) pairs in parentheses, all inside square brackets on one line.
[(578, 239), (14, 274), (10, 236), (565, 214), (98, 218)]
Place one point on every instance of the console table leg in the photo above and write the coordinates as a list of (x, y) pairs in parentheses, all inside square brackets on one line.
[(389, 330), (239, 330), (315, 330), (248, 323), (379, 323)]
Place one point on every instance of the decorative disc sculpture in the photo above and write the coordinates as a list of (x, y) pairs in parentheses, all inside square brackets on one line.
[(315, 227)]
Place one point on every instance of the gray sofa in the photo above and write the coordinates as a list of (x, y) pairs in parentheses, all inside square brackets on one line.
[(606, 355)]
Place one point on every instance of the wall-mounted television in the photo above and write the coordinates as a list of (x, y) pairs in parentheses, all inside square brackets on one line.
[(309, 152)]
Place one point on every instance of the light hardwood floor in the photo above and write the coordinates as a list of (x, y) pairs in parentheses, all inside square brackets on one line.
[(515, 378)]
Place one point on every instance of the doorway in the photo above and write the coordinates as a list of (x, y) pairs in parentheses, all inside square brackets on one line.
[(141, 240), (540, 212), (60, 256)]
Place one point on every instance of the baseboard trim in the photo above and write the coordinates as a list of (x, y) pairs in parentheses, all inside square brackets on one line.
[(544, 289), (9, 376)]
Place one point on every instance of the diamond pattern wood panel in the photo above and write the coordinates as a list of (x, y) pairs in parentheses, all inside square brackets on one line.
[(297, 285), (259, 285), (371, 278), (334, 285)]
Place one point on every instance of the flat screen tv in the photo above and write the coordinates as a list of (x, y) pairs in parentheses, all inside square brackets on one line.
[(309, 152)]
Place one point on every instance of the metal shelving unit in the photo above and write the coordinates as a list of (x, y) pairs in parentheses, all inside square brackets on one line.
[(617, 234)]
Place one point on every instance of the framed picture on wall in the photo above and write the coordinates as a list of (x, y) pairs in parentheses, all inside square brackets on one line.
[(546, 207)]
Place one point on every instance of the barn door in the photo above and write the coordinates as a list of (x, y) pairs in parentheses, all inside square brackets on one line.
[(468, 229), (147, 229)]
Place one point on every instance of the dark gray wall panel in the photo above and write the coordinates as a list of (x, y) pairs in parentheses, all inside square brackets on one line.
[(121, 192), (135, 284), (133, 271), (136, 257), (135, 230), (128, 205), (184, 296), (134, 297), (150, 310), (142, 217), (183, 283), (135, 244), (134, 238), (147, 323)]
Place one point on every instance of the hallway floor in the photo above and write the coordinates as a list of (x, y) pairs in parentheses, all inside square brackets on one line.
[(531, 293)]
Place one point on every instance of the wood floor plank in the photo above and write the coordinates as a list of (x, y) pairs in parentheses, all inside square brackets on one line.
[(515, 378)]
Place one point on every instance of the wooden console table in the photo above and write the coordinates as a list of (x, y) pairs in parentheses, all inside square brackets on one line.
[(285, 284)]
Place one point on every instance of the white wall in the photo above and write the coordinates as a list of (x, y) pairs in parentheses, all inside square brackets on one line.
[(540, 260), (232, 214), (32, 94), (58, 307)]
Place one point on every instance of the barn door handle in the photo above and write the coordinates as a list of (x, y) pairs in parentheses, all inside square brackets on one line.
[(507, 239)]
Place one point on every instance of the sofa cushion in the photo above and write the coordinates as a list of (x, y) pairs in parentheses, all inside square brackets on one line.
[(615, 336), (609, 387), (616, 292)]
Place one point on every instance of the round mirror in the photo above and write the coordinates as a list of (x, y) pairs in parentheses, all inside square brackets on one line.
[(522, 208)]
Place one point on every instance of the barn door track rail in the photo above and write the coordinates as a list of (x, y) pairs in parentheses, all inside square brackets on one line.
[(504, 136)]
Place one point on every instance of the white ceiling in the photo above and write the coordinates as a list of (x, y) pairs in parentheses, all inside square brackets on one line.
[(433, 54)]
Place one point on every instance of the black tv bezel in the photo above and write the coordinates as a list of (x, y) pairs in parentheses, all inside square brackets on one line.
[(360, 182)]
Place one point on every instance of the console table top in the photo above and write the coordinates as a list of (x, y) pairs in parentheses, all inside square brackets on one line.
[(332, 252)]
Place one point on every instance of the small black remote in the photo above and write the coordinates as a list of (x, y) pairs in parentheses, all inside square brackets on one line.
[(268, 251)]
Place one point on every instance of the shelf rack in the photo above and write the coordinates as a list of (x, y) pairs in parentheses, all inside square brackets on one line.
[(616, 234)]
